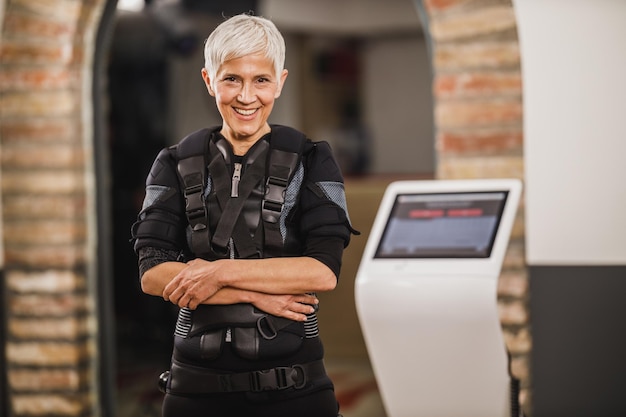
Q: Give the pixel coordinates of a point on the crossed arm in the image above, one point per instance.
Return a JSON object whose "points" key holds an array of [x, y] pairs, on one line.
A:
{"points": [[278, 286]]}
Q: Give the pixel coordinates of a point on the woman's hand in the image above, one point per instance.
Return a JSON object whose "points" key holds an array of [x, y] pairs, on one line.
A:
{"points": [[194, 284], [293, 307]]}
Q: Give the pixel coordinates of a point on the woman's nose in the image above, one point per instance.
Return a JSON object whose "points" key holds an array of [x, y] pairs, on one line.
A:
{"points": [[246, 95]]}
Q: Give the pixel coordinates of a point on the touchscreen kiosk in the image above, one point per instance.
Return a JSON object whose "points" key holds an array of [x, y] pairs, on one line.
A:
{"points": [[426, 297]]}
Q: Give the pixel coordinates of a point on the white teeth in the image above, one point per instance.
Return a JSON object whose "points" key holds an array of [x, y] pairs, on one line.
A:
{"points": [[245, 112]]}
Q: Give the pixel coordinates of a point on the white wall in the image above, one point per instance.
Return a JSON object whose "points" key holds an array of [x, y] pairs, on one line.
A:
{"points": [[574, 69]]}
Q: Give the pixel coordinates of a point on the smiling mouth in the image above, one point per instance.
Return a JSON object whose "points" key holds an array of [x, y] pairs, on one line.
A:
{"points": [[245, 112]]}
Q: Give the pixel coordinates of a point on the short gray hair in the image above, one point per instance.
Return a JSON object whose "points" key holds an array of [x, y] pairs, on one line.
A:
{"points": [[243, 35]]}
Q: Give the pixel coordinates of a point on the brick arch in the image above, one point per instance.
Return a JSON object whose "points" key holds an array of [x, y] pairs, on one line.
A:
{"points": [[47, 171], [46, 130]]}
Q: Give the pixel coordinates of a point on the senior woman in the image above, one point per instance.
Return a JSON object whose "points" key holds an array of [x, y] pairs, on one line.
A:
{"points": [[241, 226]]}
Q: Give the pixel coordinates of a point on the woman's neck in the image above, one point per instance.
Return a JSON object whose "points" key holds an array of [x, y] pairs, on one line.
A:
{"points": [[242, 144]]}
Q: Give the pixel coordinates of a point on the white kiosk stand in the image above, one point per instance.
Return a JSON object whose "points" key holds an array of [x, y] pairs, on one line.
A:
{"points": [[426, 297]]}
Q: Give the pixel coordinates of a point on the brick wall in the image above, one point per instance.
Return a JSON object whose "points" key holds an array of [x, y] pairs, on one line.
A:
{"points": [[45, 148], [477, 91]]}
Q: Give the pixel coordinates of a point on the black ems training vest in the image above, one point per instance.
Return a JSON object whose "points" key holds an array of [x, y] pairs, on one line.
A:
{"points": [[226, 221], [205, 162]]}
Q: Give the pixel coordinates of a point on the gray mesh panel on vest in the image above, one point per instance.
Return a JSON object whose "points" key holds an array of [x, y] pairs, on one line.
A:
{"points": [[153, 193], [291, 195], [335, 192], [207, 190]]}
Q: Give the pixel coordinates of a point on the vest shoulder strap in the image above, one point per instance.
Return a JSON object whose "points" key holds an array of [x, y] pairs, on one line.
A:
{"points": [[191, 153], [285, 152]]}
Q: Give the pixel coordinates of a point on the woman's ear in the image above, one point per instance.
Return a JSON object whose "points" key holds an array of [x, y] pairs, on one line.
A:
{"points": [[283, 77], [207, 81]]}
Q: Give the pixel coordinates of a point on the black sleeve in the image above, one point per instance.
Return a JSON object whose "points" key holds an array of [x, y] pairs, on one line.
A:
{"points": [[162, 221], [324, 220], [323, 198], [328, 251]]}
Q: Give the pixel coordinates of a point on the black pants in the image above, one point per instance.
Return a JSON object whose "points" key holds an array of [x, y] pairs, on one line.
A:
{"points": [[315, 404]]}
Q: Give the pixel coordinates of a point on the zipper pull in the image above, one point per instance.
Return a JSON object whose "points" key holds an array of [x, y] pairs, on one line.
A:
{"points": [[234, 188]]}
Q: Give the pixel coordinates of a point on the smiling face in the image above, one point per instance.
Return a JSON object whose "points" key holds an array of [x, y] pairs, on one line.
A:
{"points": [[245, 90]]}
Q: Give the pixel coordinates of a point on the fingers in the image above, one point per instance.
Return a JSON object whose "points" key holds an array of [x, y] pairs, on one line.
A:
{"points": [[179, 283], [178, 297], [172, 291], [177, 291], [185, 294], [301, 307], [297, 315], [307, 299], [184, 299], [190, 287], [170, 288]]}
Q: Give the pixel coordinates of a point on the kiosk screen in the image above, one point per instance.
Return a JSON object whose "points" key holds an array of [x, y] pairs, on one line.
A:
{"points": [[442, 225]]}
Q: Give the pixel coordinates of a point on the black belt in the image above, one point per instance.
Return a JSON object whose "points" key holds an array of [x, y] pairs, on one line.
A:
{"points": [[192, 380]]}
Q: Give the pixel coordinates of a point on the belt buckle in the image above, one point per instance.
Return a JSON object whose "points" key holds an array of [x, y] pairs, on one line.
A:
{"points": [[278, 378], [263, 380], [299, 385]]}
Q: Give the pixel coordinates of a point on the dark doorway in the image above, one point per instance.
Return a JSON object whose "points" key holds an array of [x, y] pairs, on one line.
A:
{"points": [[137, 131]]}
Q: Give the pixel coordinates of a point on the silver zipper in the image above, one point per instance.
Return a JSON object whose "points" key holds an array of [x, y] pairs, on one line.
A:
{"points": [[234, 188]]}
